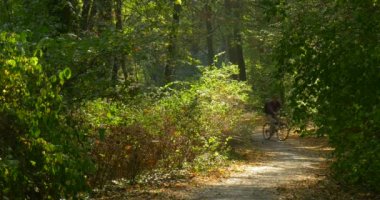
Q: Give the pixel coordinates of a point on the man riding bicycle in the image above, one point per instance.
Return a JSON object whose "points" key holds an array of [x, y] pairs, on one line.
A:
{"points": [[271, 109]]}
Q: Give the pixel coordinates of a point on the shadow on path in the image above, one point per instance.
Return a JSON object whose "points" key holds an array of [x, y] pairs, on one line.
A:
{"points": [[285, 162]]}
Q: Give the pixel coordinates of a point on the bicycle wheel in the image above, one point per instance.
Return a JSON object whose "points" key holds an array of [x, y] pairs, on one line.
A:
{"points": [[283, 132], [266, 131]]}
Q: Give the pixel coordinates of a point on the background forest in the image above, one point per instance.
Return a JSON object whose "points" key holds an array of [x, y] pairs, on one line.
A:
{"points": [[95, 90]]}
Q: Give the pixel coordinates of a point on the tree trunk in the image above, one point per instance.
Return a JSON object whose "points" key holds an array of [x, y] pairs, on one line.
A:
{"points": [[64, 13], [239, 54], [119, 17], [85, 14], [119, 58], [210, 45], [172, 49], [92, 14], [234, 40], [8, 11], [119, 26]]}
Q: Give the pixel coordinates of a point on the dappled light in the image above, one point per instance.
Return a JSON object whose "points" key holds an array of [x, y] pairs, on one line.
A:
{"points": [[285, 165], [189, 99]]}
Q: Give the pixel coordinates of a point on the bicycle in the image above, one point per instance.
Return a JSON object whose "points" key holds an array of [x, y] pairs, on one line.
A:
{"points": [[281, 129]]}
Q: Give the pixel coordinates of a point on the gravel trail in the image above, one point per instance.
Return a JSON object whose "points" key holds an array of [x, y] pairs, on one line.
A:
{"points": [[287, 162]]}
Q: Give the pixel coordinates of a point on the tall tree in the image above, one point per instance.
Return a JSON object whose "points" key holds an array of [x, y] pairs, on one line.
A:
{"points": [[330, 52], [233, 10], [210, 43], [6, 12], [66, 14], [119, 61], [172, 47], [86, 7]]}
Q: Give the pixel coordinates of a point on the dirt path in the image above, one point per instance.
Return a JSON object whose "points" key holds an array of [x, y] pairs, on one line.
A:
{"points": [[267, 170], [285, 163]]}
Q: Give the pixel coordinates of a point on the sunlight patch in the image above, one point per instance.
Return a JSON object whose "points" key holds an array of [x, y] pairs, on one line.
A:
{"points": [[262, 169]]}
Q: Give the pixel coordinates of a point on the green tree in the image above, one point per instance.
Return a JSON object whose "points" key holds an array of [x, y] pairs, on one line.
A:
{"points": [[41, 154], [329, 51], [234, 37]]}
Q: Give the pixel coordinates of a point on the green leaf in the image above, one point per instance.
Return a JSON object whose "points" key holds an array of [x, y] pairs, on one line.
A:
{"points": [[178, 2], [109, 115], [38, 52], [67, 73], [53, 78], [61, 76], [34, 60], [36, 133], [11, 63]]}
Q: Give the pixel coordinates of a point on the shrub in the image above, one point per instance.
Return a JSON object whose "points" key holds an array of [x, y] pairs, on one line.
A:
{"points": [[335, 81], [168, 128], [40, 155]]}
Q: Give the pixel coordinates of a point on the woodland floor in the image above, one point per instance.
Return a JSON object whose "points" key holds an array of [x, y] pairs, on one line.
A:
{"points": [[293, 169]]}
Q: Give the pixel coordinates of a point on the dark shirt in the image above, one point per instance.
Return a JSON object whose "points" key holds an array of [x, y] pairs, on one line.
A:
{"points": [[272, 107]]}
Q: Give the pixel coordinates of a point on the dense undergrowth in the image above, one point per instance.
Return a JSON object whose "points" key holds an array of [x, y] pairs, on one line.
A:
{"points": [[50, 149], [181, 125], [41, 155], [329, 60]]}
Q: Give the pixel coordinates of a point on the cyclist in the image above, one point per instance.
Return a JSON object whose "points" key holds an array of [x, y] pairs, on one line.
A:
{"points": [[271, 109]]}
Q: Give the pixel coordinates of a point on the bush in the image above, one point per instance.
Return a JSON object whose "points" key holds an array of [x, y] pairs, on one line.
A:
{"points": [[335, 80], [168, 128], [40, 155]]}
